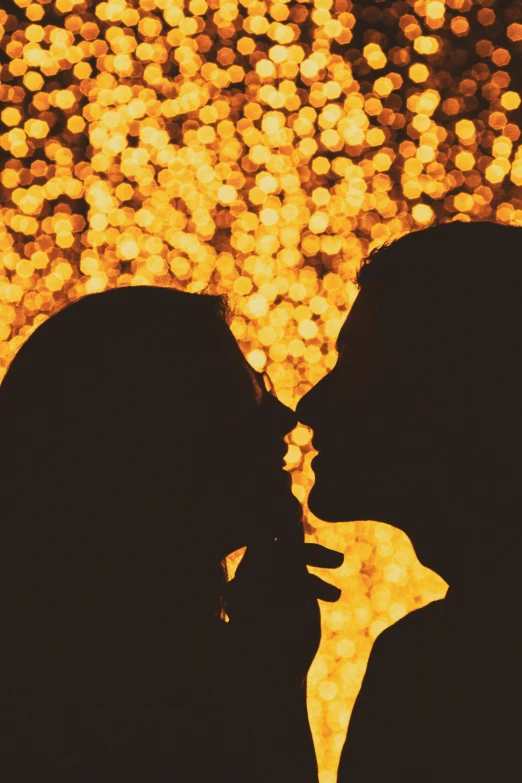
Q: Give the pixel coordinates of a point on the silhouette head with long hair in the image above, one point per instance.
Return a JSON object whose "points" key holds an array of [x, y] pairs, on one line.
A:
{"points": [[139, 448]]}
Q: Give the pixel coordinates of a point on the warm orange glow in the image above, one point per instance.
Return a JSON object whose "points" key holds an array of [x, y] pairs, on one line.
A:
{"points": [[253, 146]]}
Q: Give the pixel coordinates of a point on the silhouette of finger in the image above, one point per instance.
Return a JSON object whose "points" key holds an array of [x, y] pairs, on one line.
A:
{"points": [[322, 557], [323, 590]]}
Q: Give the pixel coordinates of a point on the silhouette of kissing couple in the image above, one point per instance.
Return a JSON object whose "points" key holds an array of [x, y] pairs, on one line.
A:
{"points": [[139, 449]]}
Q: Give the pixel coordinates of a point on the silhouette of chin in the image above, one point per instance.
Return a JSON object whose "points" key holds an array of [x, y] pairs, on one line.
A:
{"points": [[322, 507], [328, 502], [336, 498]]}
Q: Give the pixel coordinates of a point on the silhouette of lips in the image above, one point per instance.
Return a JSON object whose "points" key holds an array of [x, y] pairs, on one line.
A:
{"points": [[281, 453], [278, 456]]}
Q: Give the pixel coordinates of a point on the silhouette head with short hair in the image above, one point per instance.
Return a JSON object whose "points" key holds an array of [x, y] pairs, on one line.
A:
{"points": [[419, 425], [420, 420]]}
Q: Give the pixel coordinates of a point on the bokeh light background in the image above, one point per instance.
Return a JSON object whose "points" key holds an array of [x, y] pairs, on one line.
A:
{"points": [[263, 148]]}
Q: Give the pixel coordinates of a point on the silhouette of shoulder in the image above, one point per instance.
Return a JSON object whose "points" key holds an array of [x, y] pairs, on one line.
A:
{"points": [[390, 730], [439, 702]]}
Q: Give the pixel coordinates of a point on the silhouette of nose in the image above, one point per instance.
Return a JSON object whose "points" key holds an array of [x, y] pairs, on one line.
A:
{"points": [[284, 418], [306, 406]]}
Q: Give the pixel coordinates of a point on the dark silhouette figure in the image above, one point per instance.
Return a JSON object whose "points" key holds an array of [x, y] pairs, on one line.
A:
{"points": [[138, 449], [419, 425]]}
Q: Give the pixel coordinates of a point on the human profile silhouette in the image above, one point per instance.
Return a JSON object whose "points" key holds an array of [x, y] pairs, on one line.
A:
{"points": [[139, 449], [419, 425]]}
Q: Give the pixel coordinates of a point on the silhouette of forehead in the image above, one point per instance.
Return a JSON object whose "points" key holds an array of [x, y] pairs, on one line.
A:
{"points": [[362, 319], [146, 336], [223, 358]]}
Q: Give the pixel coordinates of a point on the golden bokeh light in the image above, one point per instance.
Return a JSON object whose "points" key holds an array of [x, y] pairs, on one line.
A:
{"points": [[263, 148]]}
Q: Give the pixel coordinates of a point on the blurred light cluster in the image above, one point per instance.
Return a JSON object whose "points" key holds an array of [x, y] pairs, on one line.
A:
{"points": [[263, 148]]}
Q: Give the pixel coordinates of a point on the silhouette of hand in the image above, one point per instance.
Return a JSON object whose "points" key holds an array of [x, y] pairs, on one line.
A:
{"points": [[272, 601]]}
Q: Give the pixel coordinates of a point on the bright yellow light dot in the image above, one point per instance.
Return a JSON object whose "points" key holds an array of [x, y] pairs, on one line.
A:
{"points": [[257, 306], [422, 213], [268, 217], [375, 137], [11, 116], [9, 178], [418, 72], [427, 102], [128, 247], [24, 268], [318, 222], [144, 51], [373, 106], [40, 259], [421, 122], [307, 147], [122, 63], [425, 153], [393, 572], [383, 86], [64, 99], [153, 74], [496, 172], [374, 56], [257, 358], [510, 100], [227, 194], [259, 25], [245, 45], [465, 129], [330, 138], [426, 44], [265, 68], [99, 222], [76, 124], [34, 55], [309, 69], [278, 54], [267, 335], [435, 9], [502, 147], [37, 129], [301, 435], [34, 33], [382, 161], [463, 202], [328, 690], [307, 329], [267, 183], [33, 81], [331, 245], [321, 196], [333, 28], [150, 27], [516, 172], [273, 121], [465, 161], [124, 191], [206, 134]]}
